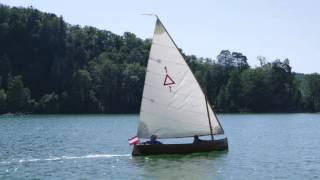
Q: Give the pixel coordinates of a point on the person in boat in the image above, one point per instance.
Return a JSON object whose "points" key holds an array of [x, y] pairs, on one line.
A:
{"points": [[196, 139], [153, 140]]}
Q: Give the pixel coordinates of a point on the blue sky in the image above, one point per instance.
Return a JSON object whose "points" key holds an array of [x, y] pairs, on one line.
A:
{"points": [[270, 28]]}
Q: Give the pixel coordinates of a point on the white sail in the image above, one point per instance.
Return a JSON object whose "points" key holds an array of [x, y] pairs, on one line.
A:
{"points": [[173, 104]]}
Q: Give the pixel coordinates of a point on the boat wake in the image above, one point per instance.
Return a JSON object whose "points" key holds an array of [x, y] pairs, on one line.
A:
{"points": [[91, 156]]}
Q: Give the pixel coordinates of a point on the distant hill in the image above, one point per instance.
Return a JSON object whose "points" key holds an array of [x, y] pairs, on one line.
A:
{"points": [[50, 66]]}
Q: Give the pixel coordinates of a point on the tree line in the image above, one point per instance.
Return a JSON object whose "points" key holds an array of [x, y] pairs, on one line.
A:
{"points": [[50, 66]]}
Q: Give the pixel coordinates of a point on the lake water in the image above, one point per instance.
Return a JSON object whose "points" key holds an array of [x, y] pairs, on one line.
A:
{"points": [[261, 146]]}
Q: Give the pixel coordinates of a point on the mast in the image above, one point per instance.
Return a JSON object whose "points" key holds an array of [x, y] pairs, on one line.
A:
{"points": [[211, 133]]}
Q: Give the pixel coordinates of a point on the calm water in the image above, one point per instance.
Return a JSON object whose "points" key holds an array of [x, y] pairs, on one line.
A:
{"points": [[264, 146]]}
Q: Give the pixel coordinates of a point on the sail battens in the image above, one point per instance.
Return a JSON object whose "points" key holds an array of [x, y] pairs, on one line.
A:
{"points": [[160, 61], [180, 109], [162, 78], [173, 104], [177, 95], [180, 94]]}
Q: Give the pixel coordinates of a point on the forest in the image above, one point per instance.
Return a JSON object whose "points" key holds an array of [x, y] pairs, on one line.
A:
{"points": [[50, 66]]}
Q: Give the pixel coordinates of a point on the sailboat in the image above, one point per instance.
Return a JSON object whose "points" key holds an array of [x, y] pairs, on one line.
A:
{"points": [[173, 103]]}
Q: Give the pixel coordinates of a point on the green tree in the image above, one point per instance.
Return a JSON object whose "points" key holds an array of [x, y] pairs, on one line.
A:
{"points": [[49, 103], [5, 69], [254, 90], [225, 58], [240, 61], [18, 96], [133, 79], [232, 90], [216, 80], [312, 92], [110, 90], [3, 101], [83, 96]]}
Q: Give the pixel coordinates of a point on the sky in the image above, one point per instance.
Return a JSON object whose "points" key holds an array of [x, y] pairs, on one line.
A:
{"points": [[275, 29]]}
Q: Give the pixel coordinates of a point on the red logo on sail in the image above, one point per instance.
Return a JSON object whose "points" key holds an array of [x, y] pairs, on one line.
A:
{"points": [[168, 81]]}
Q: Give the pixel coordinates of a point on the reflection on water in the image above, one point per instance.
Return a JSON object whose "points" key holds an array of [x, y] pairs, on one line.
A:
{"points": [[190, 166]]}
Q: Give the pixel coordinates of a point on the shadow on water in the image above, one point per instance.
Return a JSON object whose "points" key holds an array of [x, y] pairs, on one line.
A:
{"points": [[190, 166]]}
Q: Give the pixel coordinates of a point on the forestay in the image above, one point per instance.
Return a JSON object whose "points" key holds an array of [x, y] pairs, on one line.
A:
{"points": [[173, 104]]}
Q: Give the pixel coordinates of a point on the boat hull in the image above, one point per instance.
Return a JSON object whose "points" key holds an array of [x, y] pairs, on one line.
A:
{"points": [[157, 149]]}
